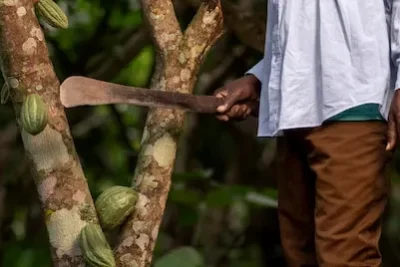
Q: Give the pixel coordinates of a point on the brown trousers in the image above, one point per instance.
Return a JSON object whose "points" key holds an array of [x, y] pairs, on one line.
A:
{"points": [[333, 190]]}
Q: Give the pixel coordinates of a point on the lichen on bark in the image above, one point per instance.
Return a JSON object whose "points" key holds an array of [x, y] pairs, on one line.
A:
{"points": [[179, 56], [61, 184]]}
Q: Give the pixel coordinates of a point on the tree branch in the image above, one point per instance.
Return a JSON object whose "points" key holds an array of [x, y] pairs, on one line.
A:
{"points": [[163, 25], [206, 23], [61, 184]]}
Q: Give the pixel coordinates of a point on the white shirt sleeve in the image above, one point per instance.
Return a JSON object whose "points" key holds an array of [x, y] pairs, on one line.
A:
{"points": [[258, 70]]}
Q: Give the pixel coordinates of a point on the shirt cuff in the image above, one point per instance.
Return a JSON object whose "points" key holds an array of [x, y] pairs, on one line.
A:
{"points": [[258, 70]]}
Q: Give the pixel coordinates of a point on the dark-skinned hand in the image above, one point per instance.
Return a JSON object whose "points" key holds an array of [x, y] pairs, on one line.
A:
{"points": [[394, 122], [241, 99]]}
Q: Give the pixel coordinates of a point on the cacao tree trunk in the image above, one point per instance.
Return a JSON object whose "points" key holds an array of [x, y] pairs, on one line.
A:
{"points": [[178, 59], [60, 181]]}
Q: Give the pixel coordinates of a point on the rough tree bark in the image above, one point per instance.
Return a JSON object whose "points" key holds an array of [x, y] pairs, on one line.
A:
{"points": [[60, 181], [179, 56]]}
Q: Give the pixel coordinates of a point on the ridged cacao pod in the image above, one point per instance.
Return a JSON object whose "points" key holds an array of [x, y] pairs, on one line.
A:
{"points": [[52, 14], [114, 205], [34, 114], [95, 248]]}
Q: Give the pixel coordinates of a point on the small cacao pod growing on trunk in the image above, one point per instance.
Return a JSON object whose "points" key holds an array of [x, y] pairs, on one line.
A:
{"points": [[114, 205], [95, 248], [34, 114], [52, 13]]}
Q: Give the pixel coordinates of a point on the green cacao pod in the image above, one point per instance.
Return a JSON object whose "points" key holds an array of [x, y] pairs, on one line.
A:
{"points": [[95, 248], [114, 205], [34, 114], [52, 13]]}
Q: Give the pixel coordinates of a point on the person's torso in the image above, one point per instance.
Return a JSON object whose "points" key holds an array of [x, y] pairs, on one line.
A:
{"points": [[323, 57]]}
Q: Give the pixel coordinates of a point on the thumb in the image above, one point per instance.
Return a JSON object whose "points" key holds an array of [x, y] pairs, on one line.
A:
{"points": [[391, 134], [221, 93], [230, 98]]}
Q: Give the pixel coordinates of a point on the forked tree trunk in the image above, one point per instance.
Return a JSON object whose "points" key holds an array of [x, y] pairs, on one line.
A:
{"points": [[60, 181], [179, 56]]}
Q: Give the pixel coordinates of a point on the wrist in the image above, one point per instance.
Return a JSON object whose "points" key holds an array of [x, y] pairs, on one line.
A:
{"points": [[255, 84]]}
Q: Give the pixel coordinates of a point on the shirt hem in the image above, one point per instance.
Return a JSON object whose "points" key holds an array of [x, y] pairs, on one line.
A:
{"points": [[284, 127]]}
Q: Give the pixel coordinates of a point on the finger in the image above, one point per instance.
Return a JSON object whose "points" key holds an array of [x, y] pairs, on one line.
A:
{"points": [[238, 112], [247, 112], [391, 134], [234, 111], [230, 99], [223, 117], [221, 93], [223, 108]]}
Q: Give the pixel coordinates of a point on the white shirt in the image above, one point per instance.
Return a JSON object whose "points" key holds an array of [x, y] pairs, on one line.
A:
{"points": [[324, 57]]}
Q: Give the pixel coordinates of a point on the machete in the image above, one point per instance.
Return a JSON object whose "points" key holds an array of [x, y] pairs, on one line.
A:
{"points": [[81, 91]]}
